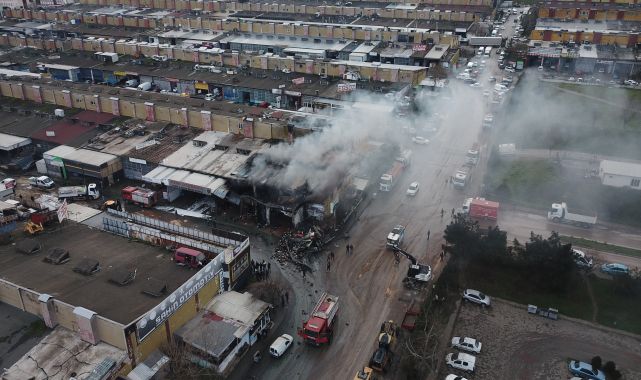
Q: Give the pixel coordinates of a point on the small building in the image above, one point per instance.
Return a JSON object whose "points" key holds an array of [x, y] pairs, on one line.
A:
{"points": [[620, 174], [219, 335], [12, 146], [67, 162]]}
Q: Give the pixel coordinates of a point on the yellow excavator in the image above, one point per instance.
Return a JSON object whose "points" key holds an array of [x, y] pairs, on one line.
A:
{"points": [[364, 374]]}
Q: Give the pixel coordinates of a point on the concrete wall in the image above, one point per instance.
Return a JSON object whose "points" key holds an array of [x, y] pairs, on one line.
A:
{"points": [[27, 300]]}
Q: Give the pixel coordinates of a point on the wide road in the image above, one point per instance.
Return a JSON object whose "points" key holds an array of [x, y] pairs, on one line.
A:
{"points": [[520, 223], [368, 283]]}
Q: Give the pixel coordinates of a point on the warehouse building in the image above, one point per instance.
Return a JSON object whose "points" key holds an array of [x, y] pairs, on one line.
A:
{"points": [[144, 297], [620, 174]]}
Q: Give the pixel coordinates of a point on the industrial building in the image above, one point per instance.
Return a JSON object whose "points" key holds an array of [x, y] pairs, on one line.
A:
{"points": [[144, 297], [620, 174]]}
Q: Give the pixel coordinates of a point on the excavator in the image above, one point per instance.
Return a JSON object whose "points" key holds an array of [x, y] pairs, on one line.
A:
{"points": [[382, 357], [417, 274]]}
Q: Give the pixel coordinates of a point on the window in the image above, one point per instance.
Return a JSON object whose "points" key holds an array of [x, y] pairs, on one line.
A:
{"points": [[635, 182]]}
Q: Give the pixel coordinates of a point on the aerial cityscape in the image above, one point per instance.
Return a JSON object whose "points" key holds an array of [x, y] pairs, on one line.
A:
{"points": [[308, 189]]}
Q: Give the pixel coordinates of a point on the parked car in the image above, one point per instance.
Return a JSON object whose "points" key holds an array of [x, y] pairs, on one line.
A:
{"points": [[413, 189], [280, 345], [454, 377], [581, 259], [461, 361], [467, 344], [476, 297], [615, 269], [420, 140], [585, 370]]}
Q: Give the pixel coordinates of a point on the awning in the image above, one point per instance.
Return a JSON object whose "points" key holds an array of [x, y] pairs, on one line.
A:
{"points": [[10, 142], [187, 180], [360, 184]]}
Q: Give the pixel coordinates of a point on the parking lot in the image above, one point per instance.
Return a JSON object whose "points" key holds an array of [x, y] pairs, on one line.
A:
{"points": [[518, 345]]}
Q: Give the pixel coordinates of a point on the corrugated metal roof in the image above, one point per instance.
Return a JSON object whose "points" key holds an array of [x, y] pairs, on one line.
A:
{"points": [[10, 142]]}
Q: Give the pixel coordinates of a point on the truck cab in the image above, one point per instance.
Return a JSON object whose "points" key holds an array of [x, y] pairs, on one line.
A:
{"points": [[43, 182], [472, 156], [460, 178], [395, 238]]}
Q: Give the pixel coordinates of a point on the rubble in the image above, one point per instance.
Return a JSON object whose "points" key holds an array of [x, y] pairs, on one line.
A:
{"points": [[295, 247]]}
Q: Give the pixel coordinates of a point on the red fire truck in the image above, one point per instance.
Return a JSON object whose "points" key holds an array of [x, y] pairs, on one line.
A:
{"points": [[319, 328], [140, 196]]}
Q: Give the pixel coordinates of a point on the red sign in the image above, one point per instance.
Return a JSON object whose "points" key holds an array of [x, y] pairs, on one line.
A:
{"points": [[419, 47], [300, 80]]}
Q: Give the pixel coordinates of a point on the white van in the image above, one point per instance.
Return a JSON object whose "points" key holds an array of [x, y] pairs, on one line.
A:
{"points": [[145, 86]]}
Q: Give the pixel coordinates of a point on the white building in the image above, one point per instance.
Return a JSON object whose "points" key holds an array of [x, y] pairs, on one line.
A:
{"points": [[620, 174]]}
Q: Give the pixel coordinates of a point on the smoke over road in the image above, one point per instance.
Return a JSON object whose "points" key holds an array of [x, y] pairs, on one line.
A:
{"points": [[321, 158]]}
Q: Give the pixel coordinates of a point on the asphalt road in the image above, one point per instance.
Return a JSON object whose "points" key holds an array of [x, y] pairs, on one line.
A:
{"points": [[519, 224], [368, 283]]}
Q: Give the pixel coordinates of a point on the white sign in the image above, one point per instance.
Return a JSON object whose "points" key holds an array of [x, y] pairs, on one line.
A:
{"points": [[137, 161], [293, 93], [346, 87], [158, 315], [63, 212], [146, 144]]}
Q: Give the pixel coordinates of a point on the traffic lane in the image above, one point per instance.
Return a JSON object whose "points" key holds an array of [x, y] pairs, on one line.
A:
{"points": [[519, 225], [374, 282], [368, 283]]}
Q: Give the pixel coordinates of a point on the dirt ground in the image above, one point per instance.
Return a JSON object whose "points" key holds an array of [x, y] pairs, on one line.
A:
{"points": [[518, 345]]}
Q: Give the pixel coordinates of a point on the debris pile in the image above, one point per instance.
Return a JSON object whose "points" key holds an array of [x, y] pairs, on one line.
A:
{"points": [[295, 246]]}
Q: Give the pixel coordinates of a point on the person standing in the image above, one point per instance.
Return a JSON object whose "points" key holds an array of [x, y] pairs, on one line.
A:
{"points": [[428, 234], [286, 297], [351, 249]]}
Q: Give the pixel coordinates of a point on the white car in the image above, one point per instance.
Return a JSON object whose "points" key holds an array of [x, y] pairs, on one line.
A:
{"points": [[476, 297], [420, 140], [461, 361], [467, 344], [413, 189], [280, 345], [454, 377]]}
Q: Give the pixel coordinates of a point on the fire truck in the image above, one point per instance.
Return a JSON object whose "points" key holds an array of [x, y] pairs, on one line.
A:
{"points": [[319, 328]]}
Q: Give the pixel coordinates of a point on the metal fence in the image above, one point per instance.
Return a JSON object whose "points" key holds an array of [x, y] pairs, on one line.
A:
{"points": [[115, 226], [229, 238]]}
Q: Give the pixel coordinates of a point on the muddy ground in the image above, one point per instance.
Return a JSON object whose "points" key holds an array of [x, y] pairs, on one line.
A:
{"points": [[518, 345]]}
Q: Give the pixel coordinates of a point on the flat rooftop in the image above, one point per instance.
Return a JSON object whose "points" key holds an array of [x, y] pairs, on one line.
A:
{"points": [[75, 130], [591, 26], [287, 41], [14, 123], [122, 304]]}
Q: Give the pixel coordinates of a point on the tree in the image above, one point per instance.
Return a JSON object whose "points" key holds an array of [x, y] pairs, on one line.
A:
{"points": [[596, 362]]}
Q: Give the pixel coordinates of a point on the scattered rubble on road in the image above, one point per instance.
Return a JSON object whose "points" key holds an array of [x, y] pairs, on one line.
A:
{"points": [[295, 247]]}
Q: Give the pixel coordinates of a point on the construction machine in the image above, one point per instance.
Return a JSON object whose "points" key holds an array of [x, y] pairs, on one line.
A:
{"points": [[417, 274], [382, 357]]}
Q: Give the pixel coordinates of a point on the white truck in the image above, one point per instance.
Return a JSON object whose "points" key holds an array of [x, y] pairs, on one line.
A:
{"points": [[473, 155], [89, 191], [145, 86], [559, 214], [42, 182], [461, 178]]}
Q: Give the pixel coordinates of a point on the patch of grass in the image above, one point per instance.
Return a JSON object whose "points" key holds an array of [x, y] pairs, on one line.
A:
{"points": [[36, 328], [601, 246], [522, 181], [512, 286], [615, 309]]}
